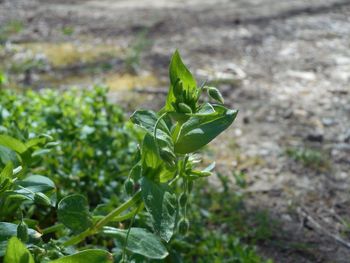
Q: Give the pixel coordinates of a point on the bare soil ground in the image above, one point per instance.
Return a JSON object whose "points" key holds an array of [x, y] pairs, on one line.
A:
{"points": [[284, 64]]}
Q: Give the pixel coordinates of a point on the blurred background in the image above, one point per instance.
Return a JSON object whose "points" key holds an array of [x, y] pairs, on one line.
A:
{"points": [[284, 64]]}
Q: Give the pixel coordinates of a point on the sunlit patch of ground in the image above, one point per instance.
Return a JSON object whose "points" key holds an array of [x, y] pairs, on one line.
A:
{"points": [[129, 81], [72, 53], [114, 81]]}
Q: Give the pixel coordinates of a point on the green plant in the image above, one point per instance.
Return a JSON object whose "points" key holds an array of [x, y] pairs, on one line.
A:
{"points": [[162, 179], [3, 79], [10, 28], [308, 157], [95, 148], [68, 30], [19, 190]]}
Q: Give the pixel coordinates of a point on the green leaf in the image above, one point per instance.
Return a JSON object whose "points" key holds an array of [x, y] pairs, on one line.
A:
{"points": [[179, 72], [161, 203], [149, 157], [147, 119], [90, 255], [35, 188], [199, 130], [12, 143], [42, 199], [19, 196], [86, 130], [3, 246], [195, 174], [206, 109], [152, 164], [8, 230], [6, 173], [136, 172], [41, 152], [73, 212], [37, 183], [210, 167], [7, 155], [199, 174], [34, 142], [17, 252], [140, 241]]}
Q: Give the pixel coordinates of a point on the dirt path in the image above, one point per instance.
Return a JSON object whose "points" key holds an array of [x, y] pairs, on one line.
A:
{"points": [[293, 58]]}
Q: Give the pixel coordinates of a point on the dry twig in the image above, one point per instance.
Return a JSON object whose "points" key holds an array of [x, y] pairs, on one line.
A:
{"points": [[317, 227]]}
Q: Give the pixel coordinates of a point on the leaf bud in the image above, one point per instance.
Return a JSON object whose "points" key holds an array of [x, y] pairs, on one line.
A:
{"points": [[129, 186], [183, 226], [215, 94], [22, 231], [184, 108]]}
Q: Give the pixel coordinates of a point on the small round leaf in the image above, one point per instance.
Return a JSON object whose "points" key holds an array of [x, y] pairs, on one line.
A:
{"points": [[73, 212]]}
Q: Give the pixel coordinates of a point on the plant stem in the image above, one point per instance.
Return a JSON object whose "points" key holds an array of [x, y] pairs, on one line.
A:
{"points": [[126, 216], [51, 229], [104, 221], [122, 217], [118, 211], [78, 238], [127, 235]]}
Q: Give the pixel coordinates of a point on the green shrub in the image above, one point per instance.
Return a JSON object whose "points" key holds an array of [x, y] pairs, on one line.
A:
{"points": [[95, 147]]}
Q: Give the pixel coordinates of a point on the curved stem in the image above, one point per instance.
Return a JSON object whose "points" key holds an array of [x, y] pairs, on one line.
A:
{"points": [[122, 217], [78, 238], [118, 211], [127, 235], [60, 226], [104, 221], [52, 229]]}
